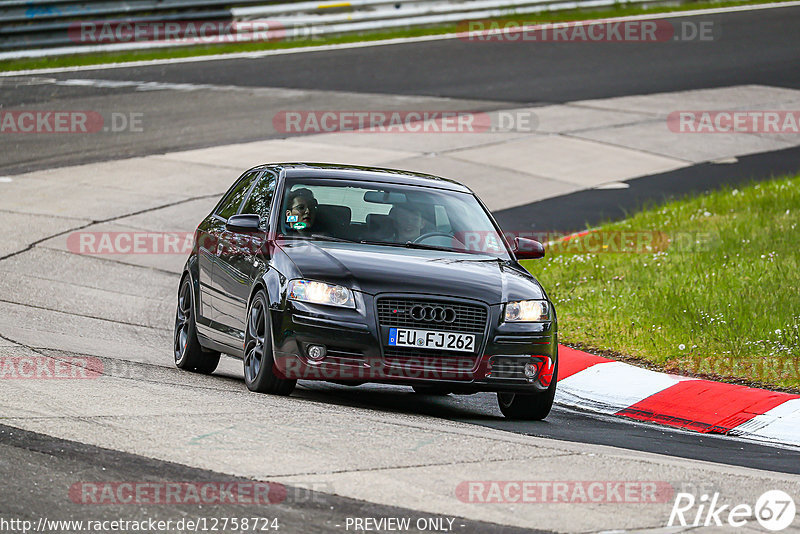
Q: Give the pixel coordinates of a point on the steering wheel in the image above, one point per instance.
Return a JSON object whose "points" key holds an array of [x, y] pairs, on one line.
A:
{"points": [[423, 237]]}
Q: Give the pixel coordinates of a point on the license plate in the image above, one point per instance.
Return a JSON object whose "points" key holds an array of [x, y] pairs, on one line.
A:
{"points": [[431, 339]]}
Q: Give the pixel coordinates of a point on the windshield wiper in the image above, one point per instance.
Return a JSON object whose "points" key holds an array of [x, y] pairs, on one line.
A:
{"points": [[323, 237], [332, 238], [411, 244], [359, 241], [407, 244], [383, 243]]}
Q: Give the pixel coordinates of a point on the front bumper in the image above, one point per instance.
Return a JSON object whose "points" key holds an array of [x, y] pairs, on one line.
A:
{"points": [[356, 350]]}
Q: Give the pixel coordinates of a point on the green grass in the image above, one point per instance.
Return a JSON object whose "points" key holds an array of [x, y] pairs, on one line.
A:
{"points": [[201, 50], [720, 299]]}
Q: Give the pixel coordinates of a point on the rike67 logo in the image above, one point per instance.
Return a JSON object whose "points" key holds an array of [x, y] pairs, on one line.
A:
{"points": [[774, 510]]}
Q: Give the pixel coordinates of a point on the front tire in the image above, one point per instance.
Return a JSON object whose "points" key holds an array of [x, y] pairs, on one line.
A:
{"points": [[259, 363], [529, 407], [188, 352]]}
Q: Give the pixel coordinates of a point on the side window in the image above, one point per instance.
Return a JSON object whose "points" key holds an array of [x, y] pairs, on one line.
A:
{"points": [[230, 204], [261, 197]]}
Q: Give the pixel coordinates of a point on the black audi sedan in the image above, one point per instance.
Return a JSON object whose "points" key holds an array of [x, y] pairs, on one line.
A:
{"points": [[352, 274]]}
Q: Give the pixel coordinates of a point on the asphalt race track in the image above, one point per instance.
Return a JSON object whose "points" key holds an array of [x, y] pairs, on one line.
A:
{"points": [[370, 451], [52, 463], [754, 47], [748, 47]]}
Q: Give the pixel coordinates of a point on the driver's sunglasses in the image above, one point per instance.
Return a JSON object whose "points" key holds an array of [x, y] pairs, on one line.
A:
{"points": [[304, 207]]}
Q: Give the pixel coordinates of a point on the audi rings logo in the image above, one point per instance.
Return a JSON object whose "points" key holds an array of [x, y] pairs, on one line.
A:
{"points": [[436, 314]]}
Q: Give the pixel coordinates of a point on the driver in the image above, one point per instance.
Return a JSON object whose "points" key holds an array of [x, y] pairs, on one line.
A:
{"points": [[408, 222], [301, 211]]}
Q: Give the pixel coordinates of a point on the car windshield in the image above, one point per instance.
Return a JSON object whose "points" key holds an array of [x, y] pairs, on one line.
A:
{"points": [[388, 214]]}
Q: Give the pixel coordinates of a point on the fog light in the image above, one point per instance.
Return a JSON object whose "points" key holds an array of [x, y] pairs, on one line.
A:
{"points": [[316, 352], [531, 370]]}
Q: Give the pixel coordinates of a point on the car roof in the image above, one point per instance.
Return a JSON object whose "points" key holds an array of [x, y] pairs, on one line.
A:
{"points": [[332, 171]]}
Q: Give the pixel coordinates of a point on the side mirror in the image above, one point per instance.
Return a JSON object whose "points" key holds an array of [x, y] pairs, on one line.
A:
{"points": [[243, 223], [528, 249]]}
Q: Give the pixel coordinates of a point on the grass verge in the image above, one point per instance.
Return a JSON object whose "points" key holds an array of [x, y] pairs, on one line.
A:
{"points": [[202, 50], [708, 286]]}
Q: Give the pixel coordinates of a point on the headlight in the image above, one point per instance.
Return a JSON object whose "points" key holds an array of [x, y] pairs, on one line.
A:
{"points": [[527, 311], [321, 293]]}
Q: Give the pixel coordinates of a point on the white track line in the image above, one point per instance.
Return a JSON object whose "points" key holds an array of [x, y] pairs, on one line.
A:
{"points": [[366, 44]]}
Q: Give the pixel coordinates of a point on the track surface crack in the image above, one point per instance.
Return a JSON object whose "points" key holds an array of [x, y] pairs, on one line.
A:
{"points": [[107, 220]]}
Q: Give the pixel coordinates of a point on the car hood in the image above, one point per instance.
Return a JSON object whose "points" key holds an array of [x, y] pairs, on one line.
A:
{"points": [[377, 269]]}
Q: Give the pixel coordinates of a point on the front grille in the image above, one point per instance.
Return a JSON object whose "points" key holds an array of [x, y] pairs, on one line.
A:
{"points": [[344, 356], [470, 318], [430, 360], [509, 367]]}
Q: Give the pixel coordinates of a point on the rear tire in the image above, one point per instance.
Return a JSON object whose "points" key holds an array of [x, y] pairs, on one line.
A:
{"points": [[259, 363], [529, 407], [188, 352]]}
